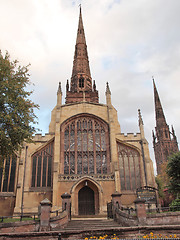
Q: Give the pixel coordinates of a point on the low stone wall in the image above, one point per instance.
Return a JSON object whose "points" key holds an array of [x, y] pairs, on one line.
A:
{"points": [[142, 217], [123, 232], [33, 226], [17, 227], [125, 219], [59, 222], [168, 218]]}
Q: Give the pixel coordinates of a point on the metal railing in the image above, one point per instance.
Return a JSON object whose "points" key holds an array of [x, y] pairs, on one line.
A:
{"points": [[128, 210], [56, 213], [163, 209]]}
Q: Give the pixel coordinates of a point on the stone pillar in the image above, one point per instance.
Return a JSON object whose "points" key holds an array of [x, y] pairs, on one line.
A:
{"points": [[140, 211], [116, 202], [45, 209], [116, 199], [66, 203]]}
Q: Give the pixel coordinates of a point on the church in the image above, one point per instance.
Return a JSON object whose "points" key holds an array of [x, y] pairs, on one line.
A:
{"points": [[84, 154]]}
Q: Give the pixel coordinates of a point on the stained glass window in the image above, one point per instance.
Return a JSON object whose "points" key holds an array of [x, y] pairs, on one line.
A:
{"points": [[41, 166], [129, 167], [88, 148], [7, 174]]}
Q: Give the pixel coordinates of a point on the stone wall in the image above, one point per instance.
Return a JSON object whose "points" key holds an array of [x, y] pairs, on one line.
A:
{"points": [[169, 218], [32, 226], [123, 232], [7, 202]]}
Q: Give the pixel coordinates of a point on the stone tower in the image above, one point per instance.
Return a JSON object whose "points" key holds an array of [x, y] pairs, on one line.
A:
{"points": [[164, 141], [81, 88]]}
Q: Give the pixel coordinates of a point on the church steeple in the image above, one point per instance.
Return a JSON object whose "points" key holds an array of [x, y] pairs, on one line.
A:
{"points": [[81, 80], [160, 118], [164, 142]]}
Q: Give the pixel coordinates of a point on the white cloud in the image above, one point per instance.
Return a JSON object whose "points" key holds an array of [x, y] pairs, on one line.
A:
{"points": [[129, 41]]}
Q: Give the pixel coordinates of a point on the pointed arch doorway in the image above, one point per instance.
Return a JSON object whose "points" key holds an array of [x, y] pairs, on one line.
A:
{"points": [[86, 201]]}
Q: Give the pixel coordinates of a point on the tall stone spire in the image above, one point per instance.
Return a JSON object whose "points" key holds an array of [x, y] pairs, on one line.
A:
{"points": [[160, 118], [164, 142], [81, 80]]}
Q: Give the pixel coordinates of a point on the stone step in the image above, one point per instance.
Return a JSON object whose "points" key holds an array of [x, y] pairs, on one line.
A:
{"points": [[91, 224]]}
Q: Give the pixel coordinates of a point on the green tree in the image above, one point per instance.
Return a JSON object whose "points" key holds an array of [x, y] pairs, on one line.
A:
{"points": [[160, 187], [173, 171], [16, 109]]}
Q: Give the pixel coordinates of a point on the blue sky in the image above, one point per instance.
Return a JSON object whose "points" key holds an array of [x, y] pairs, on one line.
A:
{"points": [[129, 41]]}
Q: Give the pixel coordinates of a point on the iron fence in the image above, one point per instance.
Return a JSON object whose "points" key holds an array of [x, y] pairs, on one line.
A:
{"points": [[163, 209]]}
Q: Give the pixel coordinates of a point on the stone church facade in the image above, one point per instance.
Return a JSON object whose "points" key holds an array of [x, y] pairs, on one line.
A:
{"points": [[84, 154]]}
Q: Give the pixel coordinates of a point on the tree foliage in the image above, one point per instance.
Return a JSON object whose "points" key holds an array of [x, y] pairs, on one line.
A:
{"points": [[173, 171], [16, 109], [160, 187]]}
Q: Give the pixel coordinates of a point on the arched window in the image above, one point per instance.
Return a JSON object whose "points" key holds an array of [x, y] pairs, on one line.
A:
{"points": [[7, 174], [81, 82], [129, 167], [85, 146], [42, 167]]}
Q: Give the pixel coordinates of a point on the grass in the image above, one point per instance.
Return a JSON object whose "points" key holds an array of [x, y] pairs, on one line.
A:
{"points": [[16, 219]]}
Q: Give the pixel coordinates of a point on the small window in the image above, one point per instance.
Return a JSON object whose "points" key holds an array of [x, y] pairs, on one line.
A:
{"points": [[81, 82]]}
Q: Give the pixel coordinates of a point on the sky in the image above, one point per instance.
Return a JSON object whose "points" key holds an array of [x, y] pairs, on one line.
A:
{"points": [[128, 42]]}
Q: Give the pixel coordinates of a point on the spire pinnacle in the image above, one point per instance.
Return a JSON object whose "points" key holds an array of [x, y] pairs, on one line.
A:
{"points": [[59, 88], [108, 89], [81, 80], [160, 118], [141, 124], [140, 117], [59, 95], [81, 69]]}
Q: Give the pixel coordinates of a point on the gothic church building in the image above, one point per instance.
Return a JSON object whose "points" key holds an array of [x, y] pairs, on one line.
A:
{"points": [[84, 154]]}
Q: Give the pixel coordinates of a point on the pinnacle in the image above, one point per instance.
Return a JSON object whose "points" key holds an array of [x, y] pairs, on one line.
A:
{"points": [[160, 118], [140, 118], [107, 88], [59, 88]]}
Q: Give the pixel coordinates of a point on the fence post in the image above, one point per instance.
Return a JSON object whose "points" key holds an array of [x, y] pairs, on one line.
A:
{"points": [[141, 211], [45, 208], [66, 203]]}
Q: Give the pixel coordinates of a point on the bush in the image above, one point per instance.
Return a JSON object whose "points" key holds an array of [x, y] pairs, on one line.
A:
{"points": [[175, 205]]}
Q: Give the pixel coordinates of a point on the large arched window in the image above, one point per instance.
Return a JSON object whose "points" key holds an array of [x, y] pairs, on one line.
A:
{"points": [[129, 167], [85, 145], [42, 166], [7, 174]]}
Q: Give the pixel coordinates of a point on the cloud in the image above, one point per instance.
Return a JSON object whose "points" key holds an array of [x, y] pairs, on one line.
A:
{"points": [[129, 41]]}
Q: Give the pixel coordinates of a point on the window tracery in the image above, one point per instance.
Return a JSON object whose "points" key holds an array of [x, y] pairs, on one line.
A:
{"points": [[88, 147], [7, 174], [42, 167], [129, 167]]}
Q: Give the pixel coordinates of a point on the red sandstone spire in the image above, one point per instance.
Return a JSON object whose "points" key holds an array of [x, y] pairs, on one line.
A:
{"points": [[164, 145], [81, 76], [160, 118], [81, 82]]}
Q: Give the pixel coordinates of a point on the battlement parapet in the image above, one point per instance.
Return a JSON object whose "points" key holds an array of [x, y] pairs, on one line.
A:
{"points": [[41, 137], [129, 136]]}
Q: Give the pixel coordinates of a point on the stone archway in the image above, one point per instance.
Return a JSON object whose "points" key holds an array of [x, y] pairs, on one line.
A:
{"points": [[84, 193]]}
